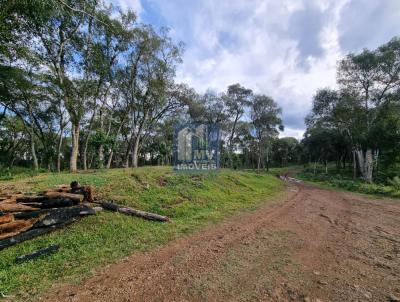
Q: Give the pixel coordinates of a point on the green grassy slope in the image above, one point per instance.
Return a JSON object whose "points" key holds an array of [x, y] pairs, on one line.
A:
{"points": [[191, 201]]}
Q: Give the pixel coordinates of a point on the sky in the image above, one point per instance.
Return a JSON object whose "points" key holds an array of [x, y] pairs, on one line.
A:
{"points": [[286, 49]]}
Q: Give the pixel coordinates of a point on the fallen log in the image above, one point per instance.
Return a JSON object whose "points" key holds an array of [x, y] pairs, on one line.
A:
{"points": [[57, 190], [8, 200], [131, 211], [52, 203], [32, 233], [28, 215], [13, 225], [6, 218], [16, 227], [31, 204], [57, 195], [63, 188], [35, 254], [31, 198], [57, 203], [13, 207], [59, 216]]}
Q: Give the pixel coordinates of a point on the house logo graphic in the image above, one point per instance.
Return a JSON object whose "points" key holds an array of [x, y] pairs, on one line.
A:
{"points": [[196, 147]]}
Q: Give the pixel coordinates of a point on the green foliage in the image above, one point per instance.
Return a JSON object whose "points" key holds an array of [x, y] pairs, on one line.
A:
{"points": [[395, 183], [191, 200], [7, 173], [345, 181], [101, 138], [362, 116]]}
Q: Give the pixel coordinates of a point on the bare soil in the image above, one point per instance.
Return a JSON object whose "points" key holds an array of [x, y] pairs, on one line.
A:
{"points": [[313, 245]]}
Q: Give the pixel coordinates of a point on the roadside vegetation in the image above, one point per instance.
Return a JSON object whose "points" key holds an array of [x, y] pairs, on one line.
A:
{"points": [[388, 187], [358, 125], [192, 201]]}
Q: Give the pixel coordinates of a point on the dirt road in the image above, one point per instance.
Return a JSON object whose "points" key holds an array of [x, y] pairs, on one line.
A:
{"points": [[314, 245]]}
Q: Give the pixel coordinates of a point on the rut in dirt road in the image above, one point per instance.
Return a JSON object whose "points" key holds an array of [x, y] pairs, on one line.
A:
{"points": [[314, 244]]}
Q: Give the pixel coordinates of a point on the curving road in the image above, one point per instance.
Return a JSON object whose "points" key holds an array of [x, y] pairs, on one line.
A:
{"points": [[313, 245]]}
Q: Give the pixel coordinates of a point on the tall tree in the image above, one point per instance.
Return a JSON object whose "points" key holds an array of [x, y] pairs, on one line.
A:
{"points": [[266, 121], [148, 89], [237, 99], [369, 78]]}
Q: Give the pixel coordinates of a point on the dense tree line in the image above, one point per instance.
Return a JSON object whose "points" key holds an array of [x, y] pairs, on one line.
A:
{"points": [[360, 121], [84, 85]]}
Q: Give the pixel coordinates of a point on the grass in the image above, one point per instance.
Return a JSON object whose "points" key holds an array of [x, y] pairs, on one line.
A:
{"points": [[345, 181], [13, 173], [192, 201]]}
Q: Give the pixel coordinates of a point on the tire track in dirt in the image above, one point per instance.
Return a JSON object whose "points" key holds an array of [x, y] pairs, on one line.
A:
{"points": [[313, 244]]}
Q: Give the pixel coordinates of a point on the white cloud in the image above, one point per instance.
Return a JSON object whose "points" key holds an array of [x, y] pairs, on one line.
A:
{"points": [[286, 49], [135, 5], [263, 56], [289, 132]]}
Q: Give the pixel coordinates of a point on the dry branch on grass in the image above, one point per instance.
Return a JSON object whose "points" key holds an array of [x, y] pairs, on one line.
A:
{"points": [[131, 211], [35, 254]]}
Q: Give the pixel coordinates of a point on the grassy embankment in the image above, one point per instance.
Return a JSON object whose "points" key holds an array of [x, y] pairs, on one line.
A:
{"points": [[192, 202]]}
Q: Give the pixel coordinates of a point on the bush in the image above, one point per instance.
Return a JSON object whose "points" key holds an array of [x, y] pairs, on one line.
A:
{"points": [[395, 183], [17, 172], [340, 181]]}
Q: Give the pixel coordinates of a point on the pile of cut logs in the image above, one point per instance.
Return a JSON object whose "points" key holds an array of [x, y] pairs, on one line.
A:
{"points": [[25, 216]]}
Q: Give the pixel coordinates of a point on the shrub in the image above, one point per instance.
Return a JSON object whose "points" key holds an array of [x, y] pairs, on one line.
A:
{"points": [[395, 183]]}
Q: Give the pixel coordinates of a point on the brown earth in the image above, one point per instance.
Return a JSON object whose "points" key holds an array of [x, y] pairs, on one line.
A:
{"points": [[314, 245]]}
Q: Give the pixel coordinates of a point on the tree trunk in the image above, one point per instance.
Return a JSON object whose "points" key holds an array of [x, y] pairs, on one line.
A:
{"points": [[101, 157], [75, 147], [84, 155], [33, 150], [109, 161], [59, 152], [128, 149], [366, 163], [101, 147], [369, 165], [126, 164], [376, 161], [233, 133], [135, 151], [360, 157], [110, 157], [354, 165], [91, 161]]}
